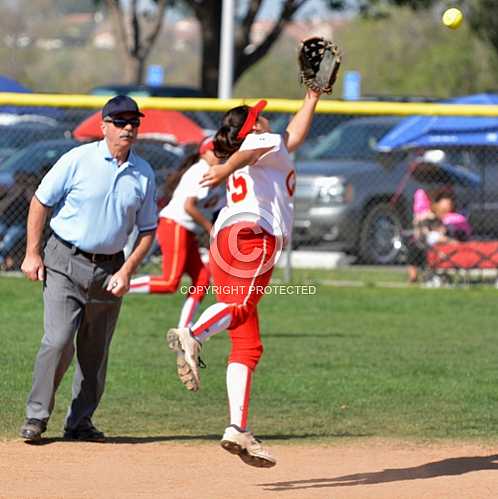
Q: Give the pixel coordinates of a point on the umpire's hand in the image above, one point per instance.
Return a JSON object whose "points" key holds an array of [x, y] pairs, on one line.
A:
{"points": [[33, 267], [119, 284]]}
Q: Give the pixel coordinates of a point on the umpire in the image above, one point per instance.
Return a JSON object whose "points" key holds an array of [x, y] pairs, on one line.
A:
{"points": [[95, 193]]}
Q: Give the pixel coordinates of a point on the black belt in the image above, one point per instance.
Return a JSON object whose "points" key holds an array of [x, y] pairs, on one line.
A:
{"points": [[93, 257]]}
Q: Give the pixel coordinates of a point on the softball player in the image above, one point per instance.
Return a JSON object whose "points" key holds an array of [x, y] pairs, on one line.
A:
{"points": [[248, 235], [189, 212]]}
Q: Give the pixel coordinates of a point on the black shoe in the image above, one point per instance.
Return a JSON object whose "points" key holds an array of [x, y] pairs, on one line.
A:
{"points": [[89, 434], [33, 428]]}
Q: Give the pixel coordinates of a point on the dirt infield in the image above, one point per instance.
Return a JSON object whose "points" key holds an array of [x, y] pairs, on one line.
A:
{"points": [[139, 468]]}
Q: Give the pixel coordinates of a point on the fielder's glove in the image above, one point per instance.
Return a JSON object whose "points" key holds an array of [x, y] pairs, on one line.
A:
{"points": [[319, 62]]}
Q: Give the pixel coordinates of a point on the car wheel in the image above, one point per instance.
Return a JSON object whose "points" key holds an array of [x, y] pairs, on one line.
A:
{"points": [[380, 238]]}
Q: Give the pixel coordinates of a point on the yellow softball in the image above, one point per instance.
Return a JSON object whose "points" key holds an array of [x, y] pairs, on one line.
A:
{"points": [[452, 18]]}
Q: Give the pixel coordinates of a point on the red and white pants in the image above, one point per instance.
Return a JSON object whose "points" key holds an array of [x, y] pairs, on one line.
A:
{"points": [[180, 251], [241, 258]]}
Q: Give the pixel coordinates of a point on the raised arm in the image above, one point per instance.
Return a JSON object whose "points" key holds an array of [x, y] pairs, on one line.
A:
{"points": [[300, 124]]}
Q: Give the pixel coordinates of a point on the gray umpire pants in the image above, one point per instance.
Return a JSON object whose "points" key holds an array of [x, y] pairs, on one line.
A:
{"points": [[76, 304]]}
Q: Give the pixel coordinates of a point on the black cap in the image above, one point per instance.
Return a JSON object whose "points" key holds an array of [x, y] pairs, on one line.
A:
{"points": [[120, 104]]}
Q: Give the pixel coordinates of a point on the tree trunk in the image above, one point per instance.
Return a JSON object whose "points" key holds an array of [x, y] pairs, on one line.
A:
{"points": [[134, 69], [119, 29], [208, 13], [134, 40], [209, 17], [245, 59]]}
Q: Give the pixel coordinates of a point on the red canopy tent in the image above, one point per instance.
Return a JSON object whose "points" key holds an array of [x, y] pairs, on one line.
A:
{"points": [[159, 124]]}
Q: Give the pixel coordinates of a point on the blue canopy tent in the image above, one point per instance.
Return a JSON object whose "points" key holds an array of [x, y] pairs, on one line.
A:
{"points": [[427, 132], [12, 86], [9, 85], [439, 131]]}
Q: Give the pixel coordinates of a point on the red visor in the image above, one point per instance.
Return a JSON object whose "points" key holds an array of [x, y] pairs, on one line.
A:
{"points": [[252, 116], [206, 145]]}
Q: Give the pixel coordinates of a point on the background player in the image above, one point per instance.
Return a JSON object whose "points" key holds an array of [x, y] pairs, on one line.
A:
{"points": [[188, 213]]}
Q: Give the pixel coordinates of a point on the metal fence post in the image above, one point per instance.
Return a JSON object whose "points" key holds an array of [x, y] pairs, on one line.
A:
{"points": [[288, 260], [288, 250]]}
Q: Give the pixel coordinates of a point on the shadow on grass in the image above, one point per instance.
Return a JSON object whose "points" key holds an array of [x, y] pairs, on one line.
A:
{"points": [[446, 467], [179, 438]]}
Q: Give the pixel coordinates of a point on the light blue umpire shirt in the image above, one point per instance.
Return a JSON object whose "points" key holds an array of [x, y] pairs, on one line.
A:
{"points": [[96, 203]]}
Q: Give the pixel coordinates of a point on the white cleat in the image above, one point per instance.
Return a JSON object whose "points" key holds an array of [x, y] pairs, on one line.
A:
{"points": [[187, 350], [244, 445]]}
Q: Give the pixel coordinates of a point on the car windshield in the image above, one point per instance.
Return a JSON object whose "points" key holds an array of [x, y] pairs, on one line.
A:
{"points": [[18, 136], [31, 158], [348, 141]]}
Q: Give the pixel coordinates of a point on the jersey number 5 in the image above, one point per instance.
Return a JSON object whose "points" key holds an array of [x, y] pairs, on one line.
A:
{"points": [[237, 189]]}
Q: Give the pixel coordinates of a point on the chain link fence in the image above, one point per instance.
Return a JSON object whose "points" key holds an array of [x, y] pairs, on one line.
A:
{"points": [[354, 191]]}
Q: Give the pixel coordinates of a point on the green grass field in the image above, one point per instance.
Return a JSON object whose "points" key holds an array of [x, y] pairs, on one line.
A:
{"points": [[346, 362]]}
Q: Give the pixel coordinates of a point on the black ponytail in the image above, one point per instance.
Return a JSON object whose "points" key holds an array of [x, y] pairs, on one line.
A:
{"points": [[226, 141]]}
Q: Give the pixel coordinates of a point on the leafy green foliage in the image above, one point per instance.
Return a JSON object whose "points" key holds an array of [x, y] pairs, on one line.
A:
{"points": [[414, 54], [479, 14], [406, 53]]}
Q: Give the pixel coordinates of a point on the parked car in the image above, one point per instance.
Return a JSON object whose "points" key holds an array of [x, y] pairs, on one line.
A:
{"points": [[14, 137], [482, 209], [41, 156], [359, 200]]}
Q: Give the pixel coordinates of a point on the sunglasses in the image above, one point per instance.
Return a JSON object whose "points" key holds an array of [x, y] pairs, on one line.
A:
{"points": [[122, 122]]}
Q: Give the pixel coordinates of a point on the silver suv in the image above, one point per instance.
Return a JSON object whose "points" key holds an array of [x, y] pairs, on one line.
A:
{"points": [[352, 197]]}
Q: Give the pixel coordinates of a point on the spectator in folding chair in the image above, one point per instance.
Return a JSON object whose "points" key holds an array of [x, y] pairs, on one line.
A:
{"points": [[434, 223], [457, 227]]}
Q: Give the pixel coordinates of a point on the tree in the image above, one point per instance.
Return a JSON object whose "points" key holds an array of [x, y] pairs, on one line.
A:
{"points": [[208, 14], [483, 20], [137, 29], [136, 41], [136, 44]]}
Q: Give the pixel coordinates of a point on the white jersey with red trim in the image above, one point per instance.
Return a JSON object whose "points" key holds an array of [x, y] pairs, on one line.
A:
{"points": [[262, 192], [210, 200]]}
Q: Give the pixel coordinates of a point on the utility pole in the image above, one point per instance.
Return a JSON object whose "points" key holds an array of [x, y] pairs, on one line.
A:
{"points": [[225, 79]]}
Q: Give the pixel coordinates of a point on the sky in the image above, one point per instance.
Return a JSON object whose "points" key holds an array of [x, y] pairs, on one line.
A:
{"points": [[271, 8]]}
